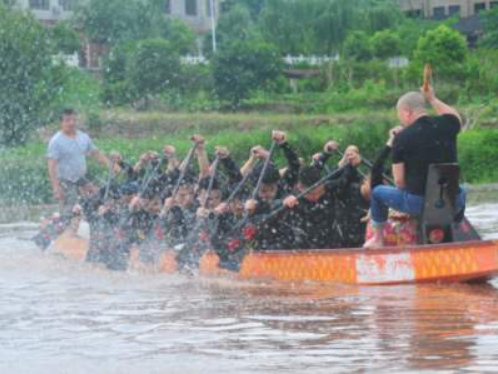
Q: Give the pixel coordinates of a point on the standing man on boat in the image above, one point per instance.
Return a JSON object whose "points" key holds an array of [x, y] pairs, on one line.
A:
{"points": [[425, 140], [67, 152]]}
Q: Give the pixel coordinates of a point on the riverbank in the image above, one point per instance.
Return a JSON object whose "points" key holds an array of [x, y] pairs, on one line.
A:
{"points": [[23, 176]]}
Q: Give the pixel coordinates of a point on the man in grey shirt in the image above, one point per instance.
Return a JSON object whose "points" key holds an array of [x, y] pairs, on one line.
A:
{"points": [[67, 152]]}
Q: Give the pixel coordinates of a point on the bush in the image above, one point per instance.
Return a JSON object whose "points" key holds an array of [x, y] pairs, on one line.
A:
{"points": [[357, 46], [29, 81], [153, 68], [66, 40], [244, 66], [446, 50], [386, 44]]}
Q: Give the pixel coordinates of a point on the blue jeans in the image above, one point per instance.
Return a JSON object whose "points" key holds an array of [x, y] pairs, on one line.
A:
{"points": [[385, 197]]}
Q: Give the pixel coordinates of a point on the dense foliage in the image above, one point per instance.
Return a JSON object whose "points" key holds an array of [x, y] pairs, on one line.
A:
{"points": [[30, 82], [244, 66]]}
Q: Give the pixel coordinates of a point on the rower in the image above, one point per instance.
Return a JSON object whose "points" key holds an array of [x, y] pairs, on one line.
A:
{"points": [[425, 140]]}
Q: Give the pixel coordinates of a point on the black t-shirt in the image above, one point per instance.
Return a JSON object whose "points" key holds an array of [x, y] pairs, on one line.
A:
{"points": [[429, 140]]}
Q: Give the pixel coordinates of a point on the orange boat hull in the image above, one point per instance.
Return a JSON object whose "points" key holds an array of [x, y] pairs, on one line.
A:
{"points": [[455, 262]]}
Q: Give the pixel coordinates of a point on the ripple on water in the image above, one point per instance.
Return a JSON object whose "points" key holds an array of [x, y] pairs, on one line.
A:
{"points": [[58, 317]]}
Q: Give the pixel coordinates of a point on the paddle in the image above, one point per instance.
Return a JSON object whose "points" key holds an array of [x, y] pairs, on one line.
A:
{"points": [[241, 184], [235, 191], [109, 180], [186, 164], [186, 254], [309, 189], [211, 180], [255, 192], [273, 147], [427, 77], [361, 160], [153, 174]]}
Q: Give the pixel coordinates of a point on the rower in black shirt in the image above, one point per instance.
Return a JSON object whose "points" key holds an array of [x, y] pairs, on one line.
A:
{"points": [[425, 140]]}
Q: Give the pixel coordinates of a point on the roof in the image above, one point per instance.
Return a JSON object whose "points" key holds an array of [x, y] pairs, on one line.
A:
{"points": [[470, 26]]}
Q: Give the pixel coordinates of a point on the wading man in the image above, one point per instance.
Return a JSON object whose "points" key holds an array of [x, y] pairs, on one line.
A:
{"points": [[425, 140], [67, 152]]}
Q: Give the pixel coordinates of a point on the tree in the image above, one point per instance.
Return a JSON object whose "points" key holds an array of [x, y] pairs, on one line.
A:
{"points": [[386, 44], [154, 67], [445, 49], [288, 24], [236, 24], [179, 35], [490, 23], [380, 15], [116, 85], [66, 40], [254, 6], [357, 46], [333, 21], [30, 82], [244, 66], [111, 21], [410, 31]]}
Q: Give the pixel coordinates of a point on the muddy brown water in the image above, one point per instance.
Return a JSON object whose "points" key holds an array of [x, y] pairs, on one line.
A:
{"points": [[58, 316]]}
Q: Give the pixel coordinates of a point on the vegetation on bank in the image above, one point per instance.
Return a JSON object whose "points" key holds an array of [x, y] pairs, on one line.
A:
{"points": [[23, 176], [144, 71], [146, 97]]}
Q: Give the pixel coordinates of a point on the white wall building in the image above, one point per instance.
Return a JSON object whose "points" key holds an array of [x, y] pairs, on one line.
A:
{"points": [[47, 11], [196, 13]]}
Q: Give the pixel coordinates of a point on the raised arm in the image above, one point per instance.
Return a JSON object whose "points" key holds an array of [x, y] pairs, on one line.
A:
{"points": [[293, 165], [202, 156], [257, 153], [440, 107], [320, 159], [169, 152], [233, 171]]}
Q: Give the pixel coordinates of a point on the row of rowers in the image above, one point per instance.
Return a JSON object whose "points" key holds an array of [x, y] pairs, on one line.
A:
{"points": [[231, 208]]}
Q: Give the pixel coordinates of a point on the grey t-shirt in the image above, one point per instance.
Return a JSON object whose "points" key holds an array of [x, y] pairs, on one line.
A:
{"points": [[70, 154]]}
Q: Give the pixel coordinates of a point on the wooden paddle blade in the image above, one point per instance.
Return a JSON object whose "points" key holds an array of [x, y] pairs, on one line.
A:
{"points": [[167, 262], [71, 246], [427, 77]]}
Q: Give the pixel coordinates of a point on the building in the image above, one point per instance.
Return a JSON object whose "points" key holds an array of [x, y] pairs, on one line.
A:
{"points": [[46, 11], [440, 9], [196, 13], [469, 22]]}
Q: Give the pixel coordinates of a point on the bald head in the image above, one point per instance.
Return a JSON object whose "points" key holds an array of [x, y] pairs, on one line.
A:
{"points": [[412, 100], [411, 106]]}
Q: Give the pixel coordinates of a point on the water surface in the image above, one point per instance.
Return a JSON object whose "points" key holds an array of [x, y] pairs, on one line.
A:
{"points": [[58, 316]]}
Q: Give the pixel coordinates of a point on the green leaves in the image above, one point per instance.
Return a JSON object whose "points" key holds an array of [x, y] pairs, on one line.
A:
{"points": [[357, 46], [30, 82], [445, 49], [386, 44], [490, 23], [154, 67], [244, 66], [114, 21]]}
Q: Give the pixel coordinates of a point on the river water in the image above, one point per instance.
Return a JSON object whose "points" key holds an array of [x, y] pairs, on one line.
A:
{"points": [[58, 316]]}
